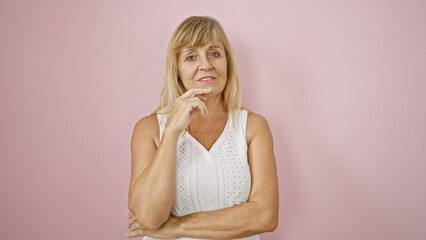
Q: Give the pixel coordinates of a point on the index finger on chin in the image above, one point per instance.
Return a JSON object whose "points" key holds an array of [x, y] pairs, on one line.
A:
{"points": [[196, 91]]}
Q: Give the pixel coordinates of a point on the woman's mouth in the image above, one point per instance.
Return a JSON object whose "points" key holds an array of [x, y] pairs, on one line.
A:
{"points": [[206, 79]]}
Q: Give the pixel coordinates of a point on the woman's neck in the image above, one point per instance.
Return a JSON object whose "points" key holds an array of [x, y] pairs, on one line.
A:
{"points": [[215, 106]]}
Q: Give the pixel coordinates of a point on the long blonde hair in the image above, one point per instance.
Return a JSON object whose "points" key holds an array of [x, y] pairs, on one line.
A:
{"points": [[191, 32]]}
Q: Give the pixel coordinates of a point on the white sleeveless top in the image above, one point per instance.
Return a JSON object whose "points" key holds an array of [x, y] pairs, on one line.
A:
{"points": [[214, 179]]}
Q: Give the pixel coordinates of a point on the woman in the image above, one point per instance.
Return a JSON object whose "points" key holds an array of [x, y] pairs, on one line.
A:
{"points": [[203, 167]]}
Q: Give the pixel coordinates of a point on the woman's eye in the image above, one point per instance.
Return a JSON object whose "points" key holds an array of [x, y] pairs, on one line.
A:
{"points": [[190, 58], [215, 54]]}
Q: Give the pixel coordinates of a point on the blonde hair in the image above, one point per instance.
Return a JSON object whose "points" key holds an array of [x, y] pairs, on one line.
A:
{"points": [[192, 32]]}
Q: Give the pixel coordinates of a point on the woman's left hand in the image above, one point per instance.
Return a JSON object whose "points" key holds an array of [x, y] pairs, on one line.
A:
{"points": [[167, 231]]}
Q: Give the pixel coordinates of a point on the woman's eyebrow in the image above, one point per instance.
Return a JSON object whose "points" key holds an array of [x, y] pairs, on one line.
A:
{"points": [[187, 50], [214, 46]]}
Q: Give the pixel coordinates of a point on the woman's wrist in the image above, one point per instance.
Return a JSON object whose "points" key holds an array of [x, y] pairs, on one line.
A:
{"points": [[168, 131], [177, 225]]}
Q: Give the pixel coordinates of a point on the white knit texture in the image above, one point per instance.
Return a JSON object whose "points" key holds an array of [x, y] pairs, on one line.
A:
{"points": [[214, 179]]}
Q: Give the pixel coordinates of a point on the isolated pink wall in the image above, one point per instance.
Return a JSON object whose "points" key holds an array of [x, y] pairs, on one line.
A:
{"points": [[341, 83]]}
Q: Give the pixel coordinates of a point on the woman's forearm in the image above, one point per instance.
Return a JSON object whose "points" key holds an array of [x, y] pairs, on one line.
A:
{"points": [[239, 221], [151, 197]]}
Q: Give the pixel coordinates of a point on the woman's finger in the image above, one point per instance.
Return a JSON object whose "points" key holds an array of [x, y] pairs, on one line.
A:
{"points": [[194, 91], [205, 107], [195, 106], [136, 233], [198, 104], [204, 91], [131, 221], [201, 102], [135, 225]]}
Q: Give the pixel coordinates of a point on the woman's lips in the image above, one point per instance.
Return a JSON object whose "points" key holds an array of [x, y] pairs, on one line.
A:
{"points": [[207, 80]]}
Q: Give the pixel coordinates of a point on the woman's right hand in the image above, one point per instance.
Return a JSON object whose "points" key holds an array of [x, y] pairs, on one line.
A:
{"points": [[186, 107]]}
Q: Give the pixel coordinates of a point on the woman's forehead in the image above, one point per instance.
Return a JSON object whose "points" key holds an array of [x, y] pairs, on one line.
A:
{"points": [[208, 45]]}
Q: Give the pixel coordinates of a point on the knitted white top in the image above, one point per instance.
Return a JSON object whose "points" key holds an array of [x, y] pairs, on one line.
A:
{"points": [[214, 179]]}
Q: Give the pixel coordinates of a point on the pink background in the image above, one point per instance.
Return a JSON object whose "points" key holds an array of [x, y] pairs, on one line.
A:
{"points": [[341, 83]]}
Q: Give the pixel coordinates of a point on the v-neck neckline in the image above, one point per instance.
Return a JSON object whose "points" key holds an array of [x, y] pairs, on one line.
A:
{"points": [[217, 142]]}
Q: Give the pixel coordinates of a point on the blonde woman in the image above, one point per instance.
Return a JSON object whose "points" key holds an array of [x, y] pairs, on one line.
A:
{"points": [[203, 167]]}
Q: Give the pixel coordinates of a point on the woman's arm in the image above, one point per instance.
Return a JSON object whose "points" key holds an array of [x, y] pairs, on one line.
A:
{"points": [[260, 213], [152, 184], [151, 190]]}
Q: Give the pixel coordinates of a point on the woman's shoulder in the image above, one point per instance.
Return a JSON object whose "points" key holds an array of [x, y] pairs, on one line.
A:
{"points": [[147, 126], [148, 121], [254, 118], [255, 123]]}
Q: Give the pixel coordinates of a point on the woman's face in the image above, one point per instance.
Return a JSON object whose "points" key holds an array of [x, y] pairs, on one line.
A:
{"points": [[203, 67]]}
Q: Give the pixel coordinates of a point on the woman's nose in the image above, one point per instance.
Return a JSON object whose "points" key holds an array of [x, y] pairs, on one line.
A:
{"points": [[205, 64]]}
